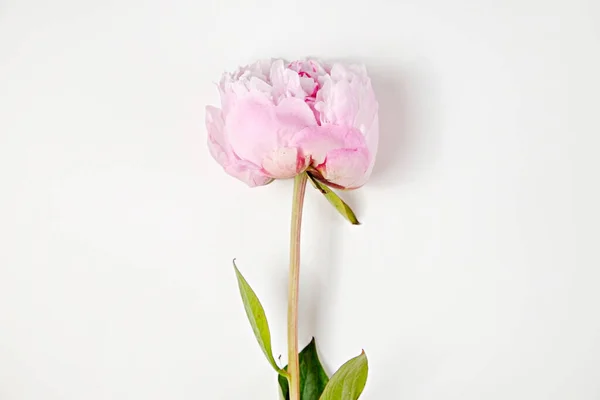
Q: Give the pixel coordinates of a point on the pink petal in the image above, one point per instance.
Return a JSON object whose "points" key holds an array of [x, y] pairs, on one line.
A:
{"points": [[346, 167], [284, 163], [372, 139], [347, 98], [285, 82], [318, 141], [217, 145], [222, 153], [248, 173], [255, 127]]}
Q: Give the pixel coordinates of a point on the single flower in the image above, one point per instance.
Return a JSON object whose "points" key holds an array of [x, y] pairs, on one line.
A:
{"points": [[279, 119]]}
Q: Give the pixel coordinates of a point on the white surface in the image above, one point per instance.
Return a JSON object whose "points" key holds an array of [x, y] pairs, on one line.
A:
{"points": [[474, 276]]}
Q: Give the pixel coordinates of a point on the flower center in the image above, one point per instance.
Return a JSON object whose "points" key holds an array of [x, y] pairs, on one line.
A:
{"points": [[308, 72]]}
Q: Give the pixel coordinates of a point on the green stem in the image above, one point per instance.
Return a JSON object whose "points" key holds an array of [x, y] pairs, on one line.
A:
{"points": [[293, 289]]}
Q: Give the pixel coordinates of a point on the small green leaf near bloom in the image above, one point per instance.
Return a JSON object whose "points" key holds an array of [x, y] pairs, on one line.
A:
{"points": [[349, 381], [313, 378], [258, 319], [335, 200]]}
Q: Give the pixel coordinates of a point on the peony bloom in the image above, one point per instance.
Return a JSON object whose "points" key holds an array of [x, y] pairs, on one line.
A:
{"points": [[278, 119]]}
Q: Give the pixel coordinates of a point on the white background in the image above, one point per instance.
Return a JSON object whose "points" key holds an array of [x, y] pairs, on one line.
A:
{"points": [[475, 273]]}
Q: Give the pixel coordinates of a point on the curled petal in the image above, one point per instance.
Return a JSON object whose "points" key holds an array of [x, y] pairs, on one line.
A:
{"points": [[248, 173], [285, 82], [222, 153], [217, 145], [252, 78]]}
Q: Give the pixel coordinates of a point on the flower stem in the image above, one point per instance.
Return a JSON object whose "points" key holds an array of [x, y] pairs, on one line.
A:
{"points": [[294, 286]]}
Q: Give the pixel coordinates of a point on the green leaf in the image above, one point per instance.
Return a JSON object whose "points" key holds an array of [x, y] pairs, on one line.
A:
{"points": [[349, 381], [335, 200], [313, 378], [258, 319]]}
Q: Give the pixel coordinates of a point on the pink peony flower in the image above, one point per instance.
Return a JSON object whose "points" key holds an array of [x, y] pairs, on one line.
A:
{"points": [[278, 119]]}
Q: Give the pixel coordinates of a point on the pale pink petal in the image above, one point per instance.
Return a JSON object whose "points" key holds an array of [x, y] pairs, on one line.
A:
{"points": [[255, 127], [285, 162], [253, 78], [258, 85], [217, 145], [261, 69], [346, 167], [286, 82], [248, 173], [222, 153], [336, 103], [366, 119], [347, 98], [317, 141], [372, 139]]}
